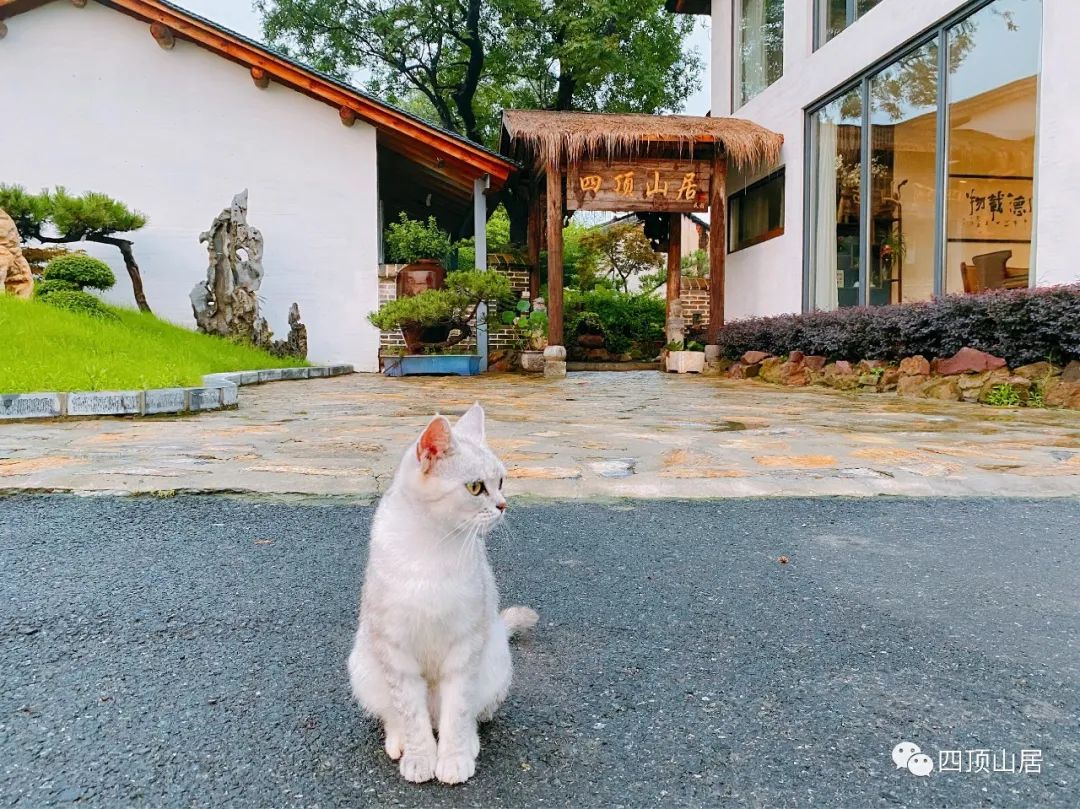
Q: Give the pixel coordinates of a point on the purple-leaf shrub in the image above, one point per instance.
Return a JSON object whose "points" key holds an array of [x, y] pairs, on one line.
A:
{"points": [[1021, 326]]}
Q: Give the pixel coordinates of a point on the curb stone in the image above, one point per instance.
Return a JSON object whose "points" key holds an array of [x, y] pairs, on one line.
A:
{"points": [[218, 392]]}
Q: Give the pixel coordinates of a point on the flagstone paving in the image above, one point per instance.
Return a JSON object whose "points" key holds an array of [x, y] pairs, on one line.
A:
{"points": [[638, 434]]}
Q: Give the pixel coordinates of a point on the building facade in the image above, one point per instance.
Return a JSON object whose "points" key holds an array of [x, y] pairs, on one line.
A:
{"points": [[173, 115], [929, 147]]}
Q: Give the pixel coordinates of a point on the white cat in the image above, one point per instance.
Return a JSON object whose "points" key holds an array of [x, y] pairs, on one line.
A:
{"points": [[431, 654]]}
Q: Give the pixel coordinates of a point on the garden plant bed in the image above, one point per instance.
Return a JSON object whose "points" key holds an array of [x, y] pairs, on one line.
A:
{"points": [[969, 376]]}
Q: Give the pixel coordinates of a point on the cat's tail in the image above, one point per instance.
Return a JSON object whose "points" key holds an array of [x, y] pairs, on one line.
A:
{"points": [[518, 620]]}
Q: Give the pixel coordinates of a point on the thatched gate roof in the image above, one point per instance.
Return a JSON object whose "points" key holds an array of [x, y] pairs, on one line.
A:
{"points": [[544, 138]]}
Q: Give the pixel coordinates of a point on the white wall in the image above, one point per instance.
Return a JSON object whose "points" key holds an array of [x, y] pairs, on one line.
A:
{"points": [[767, 278], [1057, 174], [100, 107]]}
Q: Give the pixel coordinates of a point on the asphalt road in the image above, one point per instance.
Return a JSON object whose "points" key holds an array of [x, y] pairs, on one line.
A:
{"points": [[190, 652]]}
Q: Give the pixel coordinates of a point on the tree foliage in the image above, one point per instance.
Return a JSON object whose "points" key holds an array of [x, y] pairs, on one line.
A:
{"points": [[459, 62], [57, 217], [619, 252]]}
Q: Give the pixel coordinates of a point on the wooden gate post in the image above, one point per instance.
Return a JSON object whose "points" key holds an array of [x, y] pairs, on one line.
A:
{"points": [[555, 353], [534, 235], [674, 262], [717, 244]]}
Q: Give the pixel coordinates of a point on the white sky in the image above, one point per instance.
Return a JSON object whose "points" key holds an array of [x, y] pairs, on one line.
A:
{"points": [[242, 18]]}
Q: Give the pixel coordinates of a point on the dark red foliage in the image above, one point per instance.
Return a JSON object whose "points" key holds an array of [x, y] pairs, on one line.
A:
{"points": [[1022, 326]]}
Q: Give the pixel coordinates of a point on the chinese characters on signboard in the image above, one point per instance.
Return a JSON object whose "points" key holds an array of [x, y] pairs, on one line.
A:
{"points": [[644, 186], [990, 209]]}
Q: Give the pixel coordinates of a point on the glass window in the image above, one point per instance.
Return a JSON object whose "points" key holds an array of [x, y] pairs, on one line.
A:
{"points": [[903, 170], [758, 46], [757, 212], [837, 232], [835, 15], [992, 86]]}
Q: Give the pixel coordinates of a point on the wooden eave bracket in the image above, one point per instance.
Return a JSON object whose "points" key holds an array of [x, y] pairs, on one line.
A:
{"points": [[162, 35], [260, 77]]}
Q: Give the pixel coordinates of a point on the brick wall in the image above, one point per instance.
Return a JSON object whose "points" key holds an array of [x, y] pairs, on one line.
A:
{"points": [[695, 300], [499, 336]]}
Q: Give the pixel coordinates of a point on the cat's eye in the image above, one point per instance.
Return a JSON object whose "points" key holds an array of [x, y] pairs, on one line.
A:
{"points": [[476, 488]]}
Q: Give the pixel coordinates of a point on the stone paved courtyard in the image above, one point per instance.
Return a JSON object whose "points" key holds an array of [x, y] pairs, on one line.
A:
{"points": [[638, 434]]}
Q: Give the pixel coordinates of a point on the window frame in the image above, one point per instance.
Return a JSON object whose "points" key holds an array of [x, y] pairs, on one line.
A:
{"points": [[735, 67], [939, 32], [777, 174]]}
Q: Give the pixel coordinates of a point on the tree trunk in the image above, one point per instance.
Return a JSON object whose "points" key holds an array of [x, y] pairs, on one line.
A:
{"points": [[132, 268]]}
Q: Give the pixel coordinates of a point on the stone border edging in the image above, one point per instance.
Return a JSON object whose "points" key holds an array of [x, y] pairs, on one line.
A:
{"points": [[218, 392]]}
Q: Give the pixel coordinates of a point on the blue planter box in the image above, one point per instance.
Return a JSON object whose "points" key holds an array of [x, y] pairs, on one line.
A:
{"points": [[432, 364]]}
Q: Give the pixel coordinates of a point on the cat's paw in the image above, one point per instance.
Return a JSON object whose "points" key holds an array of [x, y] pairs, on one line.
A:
{"points": [[395, 745], [417, 768], [456, 768]]}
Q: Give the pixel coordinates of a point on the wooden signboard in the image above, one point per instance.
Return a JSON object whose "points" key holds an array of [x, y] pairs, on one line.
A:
{"points": [[646, 185]]}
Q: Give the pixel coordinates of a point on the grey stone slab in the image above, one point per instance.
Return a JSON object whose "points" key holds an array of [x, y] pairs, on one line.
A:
{"points": [[294, 373], [269, 375], [204, 398], [230, 395], [32, 405], [248, 378], [105, 403], [340, 370], [318, 371], [165, 400]]}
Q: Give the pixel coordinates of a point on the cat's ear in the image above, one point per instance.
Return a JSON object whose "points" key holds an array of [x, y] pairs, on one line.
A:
{"points": [[434, 443], [472, 423]]}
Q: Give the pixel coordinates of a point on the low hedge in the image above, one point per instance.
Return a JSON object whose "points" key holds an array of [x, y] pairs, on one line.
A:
{"points": [[1020, 326], [79, 301], [80, 270]]}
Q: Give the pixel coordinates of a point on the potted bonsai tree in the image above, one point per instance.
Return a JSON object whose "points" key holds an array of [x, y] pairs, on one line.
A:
{"points": [[421, 247], [685, 358], [438, 320]]}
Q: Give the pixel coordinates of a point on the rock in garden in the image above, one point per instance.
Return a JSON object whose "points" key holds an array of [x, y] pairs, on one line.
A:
{"points": [[912, 384], [1071, 372], [889, 379], [1019, 384], [1039, 370], [815, 362], [1058, 392], [15, 277], [866, 366], [797, 357], [915, 366], [969, 361], [770, 370], [590, 340], [945, 388], [840, 375], [794, 374], [754, 357]]}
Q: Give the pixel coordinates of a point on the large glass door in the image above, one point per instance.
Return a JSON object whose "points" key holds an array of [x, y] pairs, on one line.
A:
{"points": [[921, 175]]}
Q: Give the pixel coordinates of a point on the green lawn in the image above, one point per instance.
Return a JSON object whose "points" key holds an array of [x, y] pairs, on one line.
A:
{"points": [[46, 349]]}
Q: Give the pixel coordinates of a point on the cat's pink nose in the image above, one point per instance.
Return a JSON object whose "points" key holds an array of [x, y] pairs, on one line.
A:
{"points": [[501, 506]]}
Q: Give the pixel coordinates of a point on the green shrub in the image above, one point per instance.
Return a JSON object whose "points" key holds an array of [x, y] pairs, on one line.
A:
{"points": [[628, 321], [51, 285], [1004, 395], [78, 301], [82, 271], [410, 240]]}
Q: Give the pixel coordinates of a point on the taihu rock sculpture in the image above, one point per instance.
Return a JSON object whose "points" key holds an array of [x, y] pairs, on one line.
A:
{"points": [[15, 277], [226, 303]]}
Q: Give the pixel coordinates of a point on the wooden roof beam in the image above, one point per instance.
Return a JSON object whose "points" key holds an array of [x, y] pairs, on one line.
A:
{"points": [[162, 35]]}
